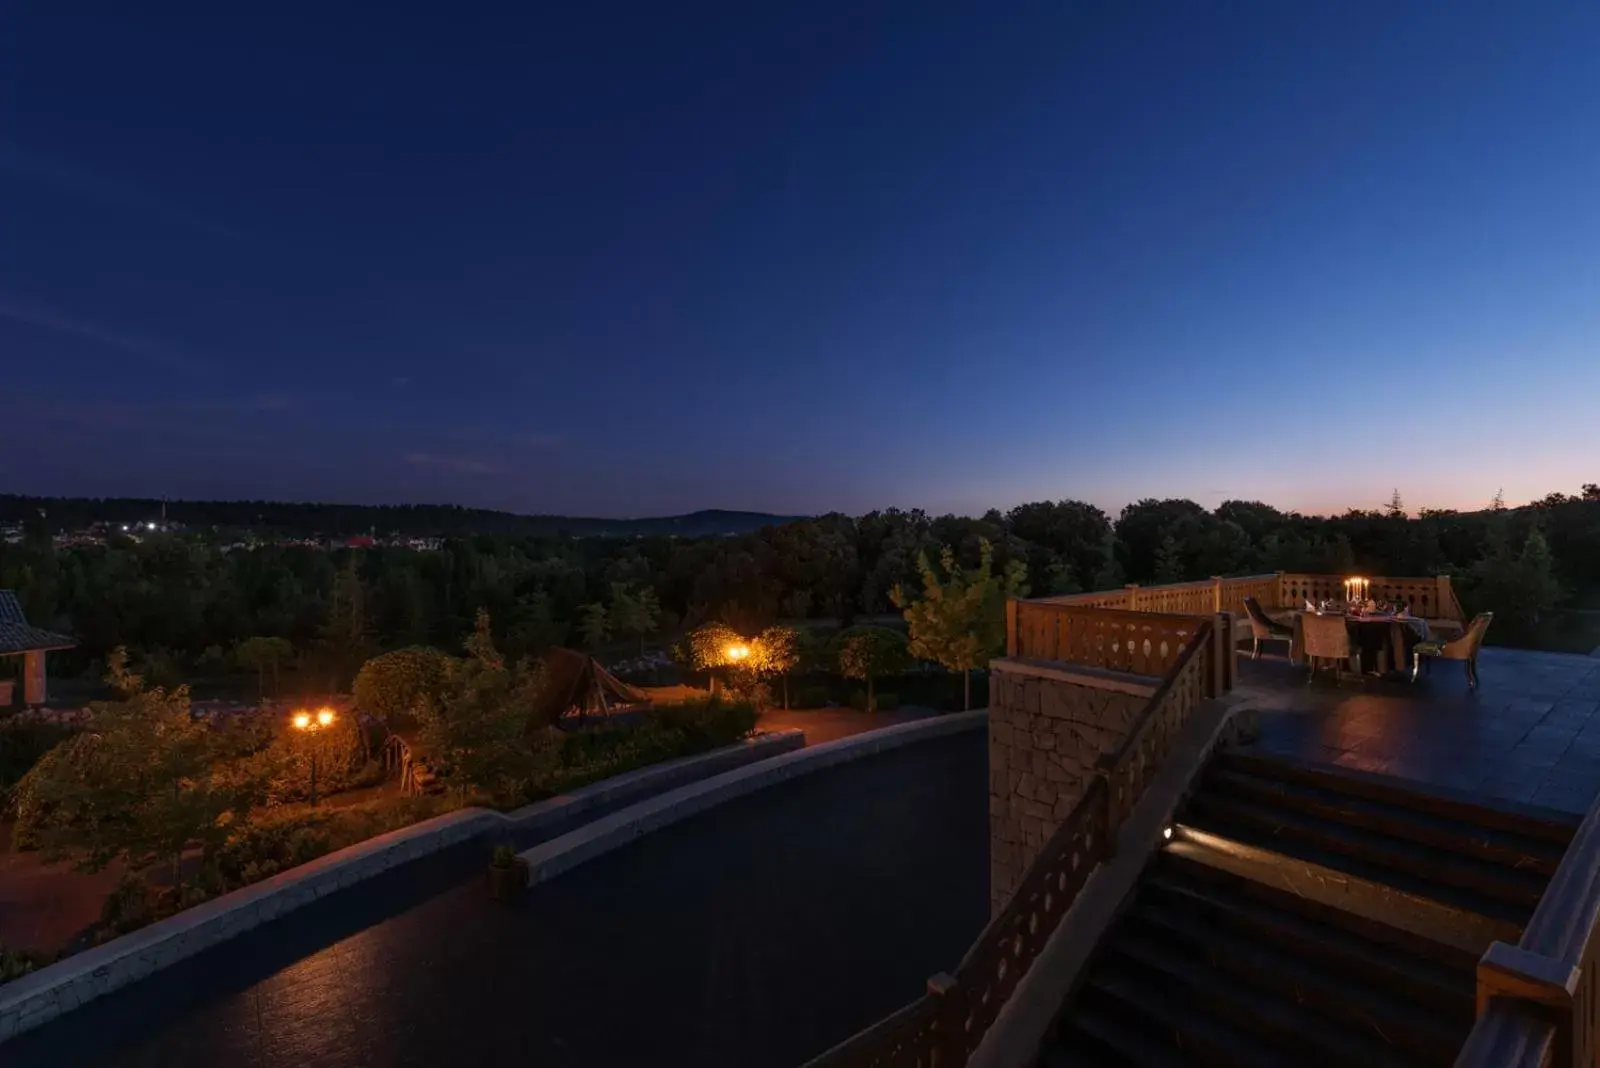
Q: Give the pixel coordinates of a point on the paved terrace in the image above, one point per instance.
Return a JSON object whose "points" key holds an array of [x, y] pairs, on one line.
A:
{"points": [[1530, 734]]}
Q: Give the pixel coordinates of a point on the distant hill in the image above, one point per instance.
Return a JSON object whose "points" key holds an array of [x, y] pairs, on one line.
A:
{"points": [[418, 520]]}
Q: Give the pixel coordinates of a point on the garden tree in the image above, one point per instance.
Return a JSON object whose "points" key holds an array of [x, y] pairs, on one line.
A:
{"points": [[707, 648], [959, 620], [480, 733], [480, 643], [343, 636], [143, 782], [633, 614], [775, 653], [594, 627], [393, 686], [262, 654], [1518, 587], [869, 652], [1143, 527], [1169, 562], [122, 679]]}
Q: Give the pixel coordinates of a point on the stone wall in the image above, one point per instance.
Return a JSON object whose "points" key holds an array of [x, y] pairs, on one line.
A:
{"points": [[1048, 724]]}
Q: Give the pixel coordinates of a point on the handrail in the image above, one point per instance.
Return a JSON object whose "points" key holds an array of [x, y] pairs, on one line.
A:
{"points": [[1279, 589], [1509, 1034], [943, 1027], [1555, 966], [1126, 768]]}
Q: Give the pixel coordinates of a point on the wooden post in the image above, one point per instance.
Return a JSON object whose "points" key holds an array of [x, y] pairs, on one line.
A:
{"points": [[1226, 655], [1216, 593], [950, 1044], [34, 689], [1277, 596], [1444, 600], [1011, 626], [1133, 596]]}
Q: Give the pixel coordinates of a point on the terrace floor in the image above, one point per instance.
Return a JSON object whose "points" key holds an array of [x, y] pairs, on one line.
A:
{"points": [[1530, 734]]}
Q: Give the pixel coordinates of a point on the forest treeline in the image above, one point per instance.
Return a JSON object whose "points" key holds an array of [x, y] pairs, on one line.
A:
{"points": [[180, 601]]}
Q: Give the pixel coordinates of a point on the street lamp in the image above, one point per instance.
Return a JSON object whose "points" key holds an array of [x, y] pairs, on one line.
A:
{"points": [[309, 724], [738, 652]]}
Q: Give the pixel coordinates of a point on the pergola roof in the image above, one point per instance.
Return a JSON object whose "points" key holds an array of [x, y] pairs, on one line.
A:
{"points": [[17, 635]]}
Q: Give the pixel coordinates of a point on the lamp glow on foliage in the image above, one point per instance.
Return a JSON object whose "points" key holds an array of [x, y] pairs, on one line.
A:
{"points": [[302, 721]]}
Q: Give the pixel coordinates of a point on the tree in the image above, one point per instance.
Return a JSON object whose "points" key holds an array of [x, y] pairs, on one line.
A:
{"points": [[392, 687], [1169, 562], [343, 636], [142, 783], [1518, 587], [632, 613], [481, 733], [868, 652], [1396, 508], [261, 654], [1591, 491], [480, 644], [960, 619], [776, 652], [594, 627]]}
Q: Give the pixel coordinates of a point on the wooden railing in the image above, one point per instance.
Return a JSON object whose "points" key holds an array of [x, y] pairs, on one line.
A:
{"points": [[1144, 643], [1553, 972], [1431, 597], [943, 1027], [1127, 769], [1509, 1034]]}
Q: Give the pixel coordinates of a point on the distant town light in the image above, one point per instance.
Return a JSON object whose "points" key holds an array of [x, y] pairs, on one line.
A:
{"points": [[151, 525], [124, 528]]}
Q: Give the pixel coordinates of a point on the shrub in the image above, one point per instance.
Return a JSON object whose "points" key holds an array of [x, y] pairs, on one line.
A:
{"points": [[130, 905], [15, 963], [390, 687]]}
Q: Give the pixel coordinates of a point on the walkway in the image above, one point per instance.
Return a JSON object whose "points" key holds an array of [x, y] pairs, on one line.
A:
{"points": [[831, 724], [755, 934], [1530, 734]]}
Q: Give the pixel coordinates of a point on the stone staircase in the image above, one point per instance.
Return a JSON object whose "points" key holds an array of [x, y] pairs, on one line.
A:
{"points": [[1303, 914]]}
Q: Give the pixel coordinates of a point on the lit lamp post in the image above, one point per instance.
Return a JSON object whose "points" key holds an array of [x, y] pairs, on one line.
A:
{"points": [[306, 723]]}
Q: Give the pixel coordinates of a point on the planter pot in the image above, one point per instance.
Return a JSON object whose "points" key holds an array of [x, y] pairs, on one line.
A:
{"points": [[507, 884]]}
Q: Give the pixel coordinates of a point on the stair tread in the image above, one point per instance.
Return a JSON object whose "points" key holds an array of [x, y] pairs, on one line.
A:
{"points": [[1490, 844], [1285, 1022], [1191, 1033], [1127, 1044], [1532, 821], [1443, 986], [1352, 1002], [1481, 887]]}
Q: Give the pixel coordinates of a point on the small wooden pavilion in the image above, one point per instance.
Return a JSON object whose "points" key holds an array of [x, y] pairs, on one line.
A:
{"points": [[20, 638]]}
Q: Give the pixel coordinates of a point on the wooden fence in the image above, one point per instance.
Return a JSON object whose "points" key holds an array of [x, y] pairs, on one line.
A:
{"points": [[1430, 597], [1551, 978], [943, 1027]]}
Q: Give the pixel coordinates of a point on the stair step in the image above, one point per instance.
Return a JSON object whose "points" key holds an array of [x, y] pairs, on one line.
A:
{"points": [[1409, 972], [1194, 1036], [1485, 888], [1460, 936], [1101, 1038], [1488, 844], [1528, 821], [1347, 1000], [1272, 1017]]}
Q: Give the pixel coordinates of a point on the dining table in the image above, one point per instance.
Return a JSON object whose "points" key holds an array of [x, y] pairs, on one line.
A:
{"points": [[1385, 639]]}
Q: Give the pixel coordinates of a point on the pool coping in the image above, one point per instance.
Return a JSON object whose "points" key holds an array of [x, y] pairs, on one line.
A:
{"points": [[565, 852], [47, 993]]}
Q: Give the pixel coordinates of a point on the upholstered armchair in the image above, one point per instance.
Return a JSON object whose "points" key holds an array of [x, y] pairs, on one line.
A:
{"points": [[1464, 648], [1328, 639], [1264, 628]]}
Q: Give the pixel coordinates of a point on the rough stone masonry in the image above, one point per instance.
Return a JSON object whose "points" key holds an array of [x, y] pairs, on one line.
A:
{"points": [[1048, 724]]}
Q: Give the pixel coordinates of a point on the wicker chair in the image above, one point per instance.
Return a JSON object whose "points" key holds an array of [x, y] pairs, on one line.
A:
{"points": [[1327, 638], [1264, 628], [1464, 648]]}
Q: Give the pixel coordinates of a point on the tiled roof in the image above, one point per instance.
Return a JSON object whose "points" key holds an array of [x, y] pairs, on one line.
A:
{"points": [[18, 636]]}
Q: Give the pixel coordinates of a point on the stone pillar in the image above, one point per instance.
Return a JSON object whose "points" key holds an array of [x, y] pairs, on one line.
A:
{"points": [[33, 678], [1047, 727]]}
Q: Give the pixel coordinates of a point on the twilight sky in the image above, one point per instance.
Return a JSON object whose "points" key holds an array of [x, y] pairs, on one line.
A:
{"points": [[638, 258]]}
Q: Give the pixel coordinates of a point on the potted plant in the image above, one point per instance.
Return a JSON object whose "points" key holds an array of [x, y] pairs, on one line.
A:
{"points": [[508, 874]]}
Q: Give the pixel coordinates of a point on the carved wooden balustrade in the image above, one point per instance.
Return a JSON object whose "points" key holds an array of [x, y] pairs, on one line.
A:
{"points": [[1144, 643], [1431, 597], [1127, 770], [1551, 977], [943, 1027]]}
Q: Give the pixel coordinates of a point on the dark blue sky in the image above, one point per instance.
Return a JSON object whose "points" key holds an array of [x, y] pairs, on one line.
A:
{"points": [[643, 258]]}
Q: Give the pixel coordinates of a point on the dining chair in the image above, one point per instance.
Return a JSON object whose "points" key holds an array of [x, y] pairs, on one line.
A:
{"points": [[1464, 648], [1264, 628], [1328, 638]]}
